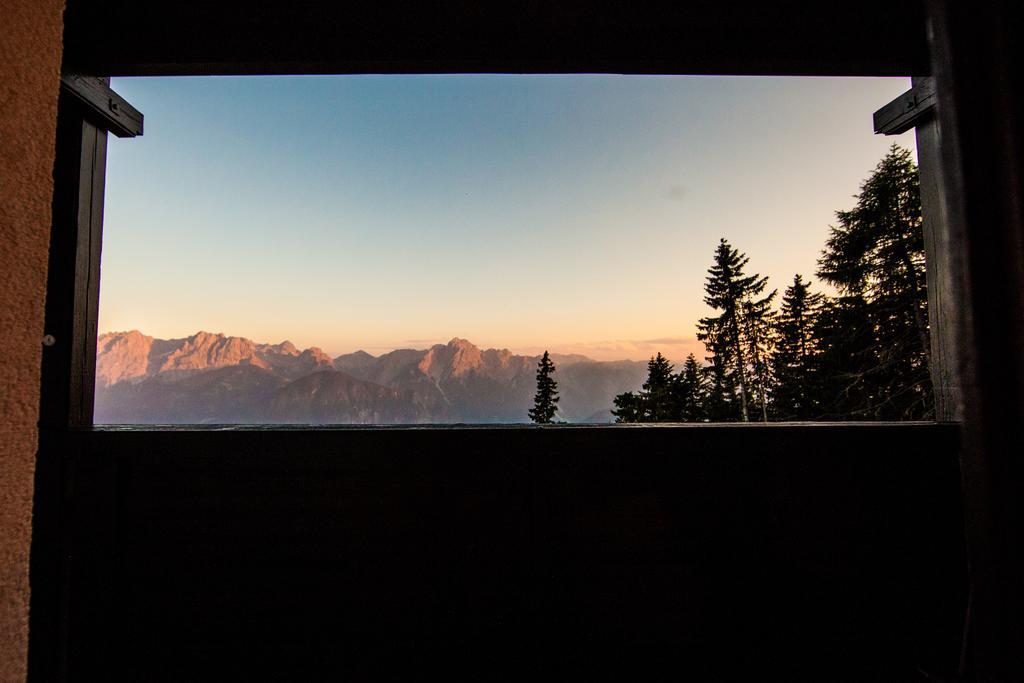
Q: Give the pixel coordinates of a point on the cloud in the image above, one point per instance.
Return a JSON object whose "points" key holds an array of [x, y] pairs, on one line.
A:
{"points": [[668, 340], [674, 348]]}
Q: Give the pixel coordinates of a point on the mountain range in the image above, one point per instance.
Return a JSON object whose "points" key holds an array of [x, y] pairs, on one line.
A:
{"points": [[212, 378]]}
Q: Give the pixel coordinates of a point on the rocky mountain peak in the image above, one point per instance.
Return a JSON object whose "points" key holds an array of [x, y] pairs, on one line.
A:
{"points": [[205, 350], [122, 356], [317, 355], [457, 357], [286, 348], [355, 360], [131, 336]]}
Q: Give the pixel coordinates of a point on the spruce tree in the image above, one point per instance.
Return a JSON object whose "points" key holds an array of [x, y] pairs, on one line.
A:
{"points": [[794, 395], [758, 320], [657, 394], [629, 407], [875, 258], [727, 288], [545, 401], [689, 391], [844, 362], [719, 404], [656, 402]]}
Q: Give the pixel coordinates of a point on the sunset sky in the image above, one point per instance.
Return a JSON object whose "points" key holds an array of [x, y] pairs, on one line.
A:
{"points": [[571, 213]]}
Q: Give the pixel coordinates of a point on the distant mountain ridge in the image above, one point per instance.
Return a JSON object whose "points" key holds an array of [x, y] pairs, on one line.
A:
{"points": [[132, 355], [213, 378]]}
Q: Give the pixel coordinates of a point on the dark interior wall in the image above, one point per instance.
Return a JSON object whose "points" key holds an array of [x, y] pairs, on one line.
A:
{"points": [[30, 54]]}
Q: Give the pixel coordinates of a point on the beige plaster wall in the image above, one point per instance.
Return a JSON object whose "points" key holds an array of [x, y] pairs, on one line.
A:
{"points": [[30, 53]]}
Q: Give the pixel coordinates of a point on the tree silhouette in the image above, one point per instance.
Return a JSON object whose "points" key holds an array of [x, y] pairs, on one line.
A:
{"points": [[793, 367], [875, 258], [658, 401], [545, 401], [728, 289], [758, 319], [658, 391], [845, 357], [689, 391], [629, 407], [862, 354], [719, 404]]}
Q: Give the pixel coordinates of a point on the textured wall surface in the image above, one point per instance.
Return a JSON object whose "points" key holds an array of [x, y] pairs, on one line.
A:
{"points": [[30, 53]]}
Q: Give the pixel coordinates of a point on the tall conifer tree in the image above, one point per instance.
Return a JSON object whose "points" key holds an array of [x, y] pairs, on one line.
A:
{"points": [[689, 389], [875, 258], [719, 404], [845, 361], [727, 288], [794, 395], [658, 391], [545, 401], [629, 407], [758, 319], [656, 402]]}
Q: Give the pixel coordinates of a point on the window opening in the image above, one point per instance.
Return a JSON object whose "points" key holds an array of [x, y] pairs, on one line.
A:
{"points": [[404, 250]]}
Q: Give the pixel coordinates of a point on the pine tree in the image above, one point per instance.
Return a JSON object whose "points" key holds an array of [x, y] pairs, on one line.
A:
{"points": [[844, 361], [719, 404], [545, 401], [689, 391], [875, 258], [727, 289], [657, 394], [657, 400], [629, 407], [758, 320], [793, 395]]}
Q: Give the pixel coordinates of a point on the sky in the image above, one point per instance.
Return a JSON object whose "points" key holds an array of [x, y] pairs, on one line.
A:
{"points": [[572, 213]]}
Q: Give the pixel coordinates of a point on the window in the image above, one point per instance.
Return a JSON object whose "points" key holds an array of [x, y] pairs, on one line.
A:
{"points": [[315, 551], [402, 249]]}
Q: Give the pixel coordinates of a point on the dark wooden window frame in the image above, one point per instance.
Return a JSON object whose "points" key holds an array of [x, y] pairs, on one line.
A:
{"points": [[72, 297], [561, 43], [69, 470], [90, 109], [87, 111]]}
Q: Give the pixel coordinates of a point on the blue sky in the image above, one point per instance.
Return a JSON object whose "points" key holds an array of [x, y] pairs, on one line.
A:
{"points": [[575, 213]]}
